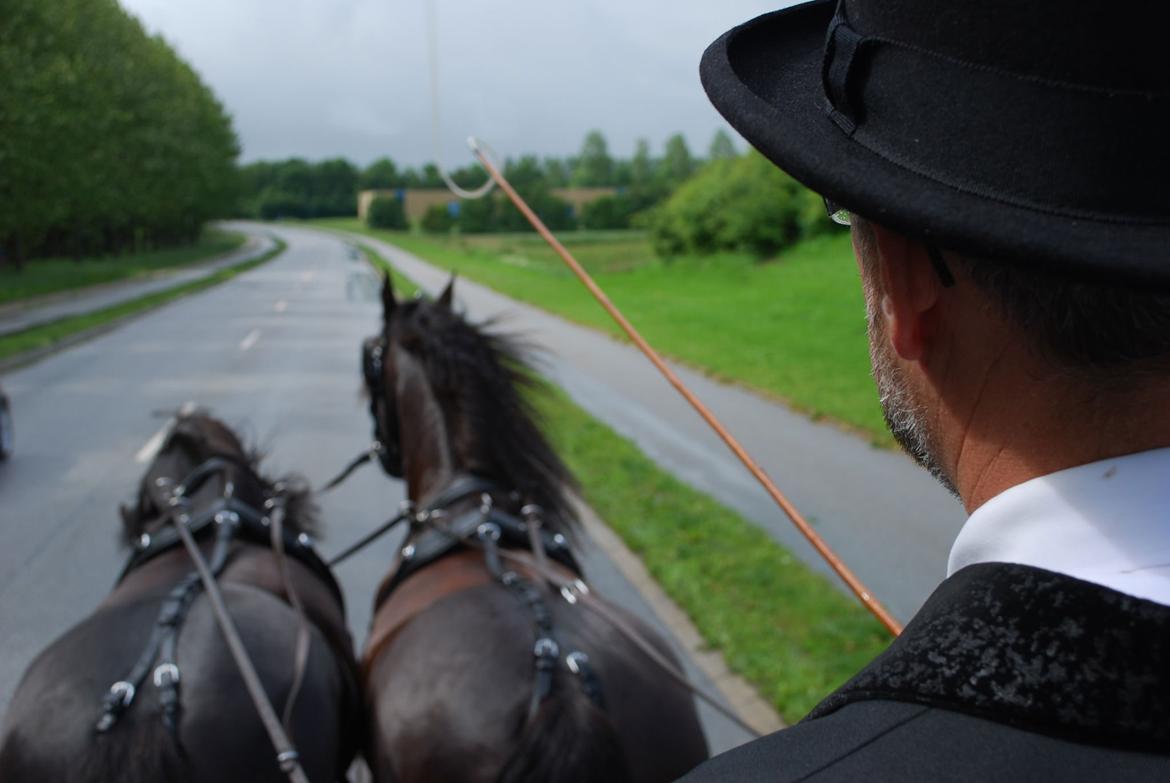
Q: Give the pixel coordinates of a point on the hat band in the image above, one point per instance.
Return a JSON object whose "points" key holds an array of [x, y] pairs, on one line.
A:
{"points": [[1065, 149]]}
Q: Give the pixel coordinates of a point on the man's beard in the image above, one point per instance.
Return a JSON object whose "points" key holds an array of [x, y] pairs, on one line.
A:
{"points": [[905, 416]]}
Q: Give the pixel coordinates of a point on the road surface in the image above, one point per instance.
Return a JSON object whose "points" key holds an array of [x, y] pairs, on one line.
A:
{"points": [[275, 352]]}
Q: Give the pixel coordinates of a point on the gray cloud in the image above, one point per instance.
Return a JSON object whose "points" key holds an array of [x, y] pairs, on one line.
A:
{"points": [[350, 77]]}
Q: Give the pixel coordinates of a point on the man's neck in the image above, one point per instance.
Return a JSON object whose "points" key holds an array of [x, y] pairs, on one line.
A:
{"points": [[1023, 427]]}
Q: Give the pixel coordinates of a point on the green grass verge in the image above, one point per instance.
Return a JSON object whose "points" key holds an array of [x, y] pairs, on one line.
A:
{"points": [[403, 286], [781, 626], [46, 335], [51, 275], [792, 327]]}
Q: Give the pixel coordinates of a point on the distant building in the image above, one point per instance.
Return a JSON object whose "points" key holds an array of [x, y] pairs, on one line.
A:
{"points": [[416, 201]]}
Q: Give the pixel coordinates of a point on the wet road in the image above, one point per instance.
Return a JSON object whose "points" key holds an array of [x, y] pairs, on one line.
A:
{"points": [[274, 352]]}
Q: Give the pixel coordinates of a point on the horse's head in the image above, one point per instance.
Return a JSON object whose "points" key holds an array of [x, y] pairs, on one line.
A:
{"points": [[450, 397], [205, 452]]}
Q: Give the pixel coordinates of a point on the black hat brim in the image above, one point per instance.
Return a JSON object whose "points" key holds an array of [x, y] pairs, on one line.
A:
{"points": [[764, 77]]}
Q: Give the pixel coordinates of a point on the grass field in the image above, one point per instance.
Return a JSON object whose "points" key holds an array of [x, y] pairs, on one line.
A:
{"points": [[792, 327], [51, 275], [784, 628], [46, 335]]}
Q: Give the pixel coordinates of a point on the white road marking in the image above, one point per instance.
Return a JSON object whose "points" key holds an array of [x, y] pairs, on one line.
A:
{"points": [[308, 277], [250, 340], [280, 306], [151, 447]]}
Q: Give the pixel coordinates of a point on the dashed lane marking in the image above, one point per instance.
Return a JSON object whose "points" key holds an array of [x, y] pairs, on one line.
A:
{"points": [[151, 447], [252, 338]]}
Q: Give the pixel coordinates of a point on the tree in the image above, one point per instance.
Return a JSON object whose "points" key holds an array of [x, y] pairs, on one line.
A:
{"points": [[642, 165], [437, 219], [101, 153], [677, 164], [556, 172], [386, 212], [594, 165], [382, 174], [722, 147]]}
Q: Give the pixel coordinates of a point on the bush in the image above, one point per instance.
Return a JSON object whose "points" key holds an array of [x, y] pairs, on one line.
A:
{"points": [[743, 204], [478, 216], [438, 219], [609, 212], [386, 212]]}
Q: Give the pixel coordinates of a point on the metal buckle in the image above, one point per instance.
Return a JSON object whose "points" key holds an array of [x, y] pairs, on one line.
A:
{"points": [[546, 648], [573, 591], [124, 692], [576, 661], [166, 674], [288, 761]]}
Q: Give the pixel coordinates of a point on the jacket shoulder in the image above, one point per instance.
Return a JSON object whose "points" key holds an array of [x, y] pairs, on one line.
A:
{"points": [[897, 741]]}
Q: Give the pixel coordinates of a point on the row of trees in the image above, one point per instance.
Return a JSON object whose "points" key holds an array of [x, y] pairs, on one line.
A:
{"points": [[108, 141], [300, 189]]}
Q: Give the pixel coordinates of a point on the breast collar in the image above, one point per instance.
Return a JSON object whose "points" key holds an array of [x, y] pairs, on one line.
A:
{"points": [[250, 525], [438, 538]]}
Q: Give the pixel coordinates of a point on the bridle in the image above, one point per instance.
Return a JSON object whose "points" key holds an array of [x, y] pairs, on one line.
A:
{"points": [[386, 445]]}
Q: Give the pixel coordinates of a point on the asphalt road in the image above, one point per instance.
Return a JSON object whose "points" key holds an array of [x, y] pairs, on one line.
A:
{"points": [[274, 352]]}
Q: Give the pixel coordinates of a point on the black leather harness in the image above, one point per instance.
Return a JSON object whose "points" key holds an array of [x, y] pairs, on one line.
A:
{"points": [[228, 519]]}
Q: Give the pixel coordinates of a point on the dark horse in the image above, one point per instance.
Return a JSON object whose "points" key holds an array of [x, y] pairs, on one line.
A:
{"points": [[191, 718], [475, 669]]}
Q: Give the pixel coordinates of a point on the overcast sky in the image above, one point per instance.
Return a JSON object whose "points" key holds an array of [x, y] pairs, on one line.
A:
{"points": [[322, 78]]}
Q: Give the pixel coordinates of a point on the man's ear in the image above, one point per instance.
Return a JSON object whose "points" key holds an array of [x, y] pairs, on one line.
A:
{"points": [[910, 292], [388, 300], [448, 294]]}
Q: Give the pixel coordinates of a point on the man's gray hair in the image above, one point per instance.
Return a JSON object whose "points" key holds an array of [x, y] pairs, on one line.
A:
{"points": [[1094, 329]]}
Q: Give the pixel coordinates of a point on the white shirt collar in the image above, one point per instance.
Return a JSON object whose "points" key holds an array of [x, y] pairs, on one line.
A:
{"points": [[1106, 522]]}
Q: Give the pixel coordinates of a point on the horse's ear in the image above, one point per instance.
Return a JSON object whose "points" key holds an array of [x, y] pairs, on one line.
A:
{"points": [[388, 300], [448, 294]]}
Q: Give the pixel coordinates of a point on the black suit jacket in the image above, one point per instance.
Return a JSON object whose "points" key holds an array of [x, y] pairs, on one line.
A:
{"points": [[1007, 673]]}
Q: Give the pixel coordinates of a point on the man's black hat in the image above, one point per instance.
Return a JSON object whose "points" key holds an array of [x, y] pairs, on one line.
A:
{"points": [[1028, 130]]}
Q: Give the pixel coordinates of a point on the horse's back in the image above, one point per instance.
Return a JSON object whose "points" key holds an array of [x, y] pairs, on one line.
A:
{"points": [[450, 695], [50, 730]]}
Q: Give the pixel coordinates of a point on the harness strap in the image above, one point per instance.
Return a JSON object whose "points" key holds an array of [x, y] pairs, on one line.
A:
{"points": [[286, 754], [545, 651], [575, 591], [301, 655], [361, 459], [163, 643]]}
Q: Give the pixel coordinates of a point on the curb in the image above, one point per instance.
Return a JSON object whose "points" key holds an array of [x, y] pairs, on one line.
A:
{"points": [[246, 249], [36, 354]]}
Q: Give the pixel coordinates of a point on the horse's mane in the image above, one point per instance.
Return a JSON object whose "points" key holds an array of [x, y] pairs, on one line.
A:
{"points": [[484, 381], [197, 437]]}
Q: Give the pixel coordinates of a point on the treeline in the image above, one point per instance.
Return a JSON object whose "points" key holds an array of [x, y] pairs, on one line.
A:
{"points": [[108, 141], [299, 189]]}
